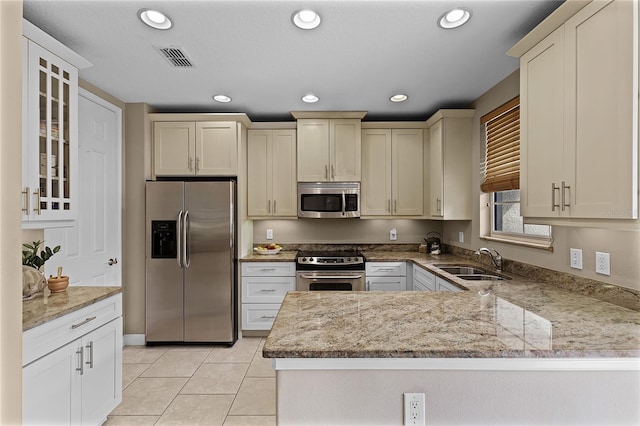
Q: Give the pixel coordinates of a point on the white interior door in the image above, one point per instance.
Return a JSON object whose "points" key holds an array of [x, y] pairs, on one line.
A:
{"points": [[91, 250]]}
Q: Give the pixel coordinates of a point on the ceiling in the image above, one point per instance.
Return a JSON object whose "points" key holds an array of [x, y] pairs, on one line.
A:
{"points": [[362, 53]]}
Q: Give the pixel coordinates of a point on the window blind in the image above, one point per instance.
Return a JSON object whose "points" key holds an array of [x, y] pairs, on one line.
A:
{"points": [[501, 164]]}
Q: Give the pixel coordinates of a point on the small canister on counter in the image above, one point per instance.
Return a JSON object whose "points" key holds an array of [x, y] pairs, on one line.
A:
{"points": [[433, 243]]}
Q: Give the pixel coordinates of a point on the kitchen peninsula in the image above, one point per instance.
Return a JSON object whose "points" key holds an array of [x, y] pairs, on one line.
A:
{"points": [[510, 352]]}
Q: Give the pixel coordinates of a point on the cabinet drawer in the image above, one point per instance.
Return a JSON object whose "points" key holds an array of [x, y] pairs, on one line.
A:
{"points": [[382, 269], [259, 316], [47, 337], [269, 269], [426, 279], [266, 289], [444, 285], [386, 283]]}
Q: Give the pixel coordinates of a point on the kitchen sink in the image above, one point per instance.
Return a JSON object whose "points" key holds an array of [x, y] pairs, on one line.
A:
{"points": [[462, 270], [482, 277]]}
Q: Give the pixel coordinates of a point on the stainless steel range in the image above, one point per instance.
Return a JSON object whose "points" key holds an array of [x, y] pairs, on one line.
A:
{"points": [[330, 271]]}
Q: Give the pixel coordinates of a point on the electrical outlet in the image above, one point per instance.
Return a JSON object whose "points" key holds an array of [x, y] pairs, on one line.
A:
{"points": [[576, 258], [461, 237], [269, 234], [393, 234], [603, 265], [414, 410]]}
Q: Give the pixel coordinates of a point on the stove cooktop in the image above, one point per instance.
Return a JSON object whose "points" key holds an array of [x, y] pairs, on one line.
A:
{"points": [[332, 259]]}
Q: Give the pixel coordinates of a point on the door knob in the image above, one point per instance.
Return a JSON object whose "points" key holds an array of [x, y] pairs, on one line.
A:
{"points": [[112, 261]]}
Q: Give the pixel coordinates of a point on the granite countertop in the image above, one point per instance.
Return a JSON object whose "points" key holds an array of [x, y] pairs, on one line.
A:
{"points": [[518, 318], [50, 306], [283, 256]]}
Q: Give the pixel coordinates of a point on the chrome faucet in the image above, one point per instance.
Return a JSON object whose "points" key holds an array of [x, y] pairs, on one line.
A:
{"points": [[496, 259]]}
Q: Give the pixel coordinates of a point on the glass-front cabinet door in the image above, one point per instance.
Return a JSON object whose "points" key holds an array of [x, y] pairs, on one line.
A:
{"points": [[50, 144]]}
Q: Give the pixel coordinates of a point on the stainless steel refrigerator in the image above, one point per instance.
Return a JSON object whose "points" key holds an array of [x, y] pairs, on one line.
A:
{"points": [[191, 262]]}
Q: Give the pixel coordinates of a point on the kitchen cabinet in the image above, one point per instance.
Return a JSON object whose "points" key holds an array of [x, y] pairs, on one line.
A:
{"points": [[202, 148], [423, 280], [264, 285], [50, 138], [579, 100], [392, 172], [72, 371], [450, 164], [329, 150], [386, 276], [444, 285], [271, 173]]}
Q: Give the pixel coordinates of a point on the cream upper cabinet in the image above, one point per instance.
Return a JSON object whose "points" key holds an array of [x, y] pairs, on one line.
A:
{"points": [[392, 172], [329, 150], [579, 103], [271, 173], [50, 139], [450, 164], [195, 148]]}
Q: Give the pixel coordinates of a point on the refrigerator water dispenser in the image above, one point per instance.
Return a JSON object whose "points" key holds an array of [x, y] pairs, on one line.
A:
{"points": [[163, 239]]}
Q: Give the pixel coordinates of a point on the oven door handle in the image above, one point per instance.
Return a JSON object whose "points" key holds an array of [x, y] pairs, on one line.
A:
{"points": [[331, 277]]}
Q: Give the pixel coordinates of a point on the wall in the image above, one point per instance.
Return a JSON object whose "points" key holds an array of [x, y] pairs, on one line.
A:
{"points": [[344, 231], [136, 156], [10, 220], [623, 242]]}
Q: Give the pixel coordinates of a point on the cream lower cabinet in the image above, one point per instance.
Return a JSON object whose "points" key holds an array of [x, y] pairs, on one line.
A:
{"points": [[264, 285], [450, 164], [392, 172], [386, 276], [579, 124], [80, 380], [271, 173], [329, 150], [195, 148]]}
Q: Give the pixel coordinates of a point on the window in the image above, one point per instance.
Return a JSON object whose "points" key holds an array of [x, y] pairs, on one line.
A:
{"points": [[501, 177]]}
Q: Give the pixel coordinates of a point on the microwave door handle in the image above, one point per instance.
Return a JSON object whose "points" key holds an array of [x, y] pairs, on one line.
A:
{"points": [[344, 204]]}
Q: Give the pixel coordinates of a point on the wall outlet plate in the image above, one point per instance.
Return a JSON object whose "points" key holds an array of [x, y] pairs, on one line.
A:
{"points": [[575, 256], [461, 237], [414, 409], [603, 263], [393, 234], [269, 234]]}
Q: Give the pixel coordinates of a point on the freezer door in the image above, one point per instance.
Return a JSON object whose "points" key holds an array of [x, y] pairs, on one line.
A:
{"points": [[210, 275], [164, 278]]}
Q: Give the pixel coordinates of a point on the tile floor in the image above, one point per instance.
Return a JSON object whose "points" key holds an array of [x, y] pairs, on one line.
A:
{"points": [[197, 385]]}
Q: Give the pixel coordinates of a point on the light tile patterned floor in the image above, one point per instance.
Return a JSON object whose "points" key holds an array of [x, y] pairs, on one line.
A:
{"points": [[197, 385]]}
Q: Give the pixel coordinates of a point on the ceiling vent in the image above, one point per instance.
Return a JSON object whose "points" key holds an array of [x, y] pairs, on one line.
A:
{"points": [[176, 56]]}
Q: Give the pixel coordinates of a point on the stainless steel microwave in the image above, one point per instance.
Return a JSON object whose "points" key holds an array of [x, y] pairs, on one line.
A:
{"points": [[333, 200]]}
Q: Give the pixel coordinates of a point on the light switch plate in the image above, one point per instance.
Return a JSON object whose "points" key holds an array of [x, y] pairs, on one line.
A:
{"points": [[576, 258], [603, 263], [461, 237]]}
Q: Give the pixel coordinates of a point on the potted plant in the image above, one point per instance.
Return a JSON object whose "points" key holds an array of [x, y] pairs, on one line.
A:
{"points": [[33, 279], [30, 256]]}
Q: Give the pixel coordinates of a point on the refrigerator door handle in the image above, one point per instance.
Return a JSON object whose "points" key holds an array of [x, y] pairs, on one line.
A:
{"points": [[185, 240], [179, 242]]}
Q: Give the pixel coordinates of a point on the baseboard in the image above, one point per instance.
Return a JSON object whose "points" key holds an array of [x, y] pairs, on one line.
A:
{"points": [[133, 340]]}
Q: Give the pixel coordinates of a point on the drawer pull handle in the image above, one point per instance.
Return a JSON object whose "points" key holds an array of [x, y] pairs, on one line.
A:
{"points": [[80, 324], [386, 269], [267, 290], [267, 317], [267, 269]]}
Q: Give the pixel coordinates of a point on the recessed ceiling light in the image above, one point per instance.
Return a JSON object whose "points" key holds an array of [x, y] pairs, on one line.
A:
{"points": [[222, 98], [454, 18], [155, 19], [399, 98], [306, 19], [310, 98]]}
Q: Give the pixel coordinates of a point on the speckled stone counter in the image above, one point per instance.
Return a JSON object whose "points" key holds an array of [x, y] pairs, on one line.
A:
{"points": [[283, 256], [48, 307], [518, 318]]}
